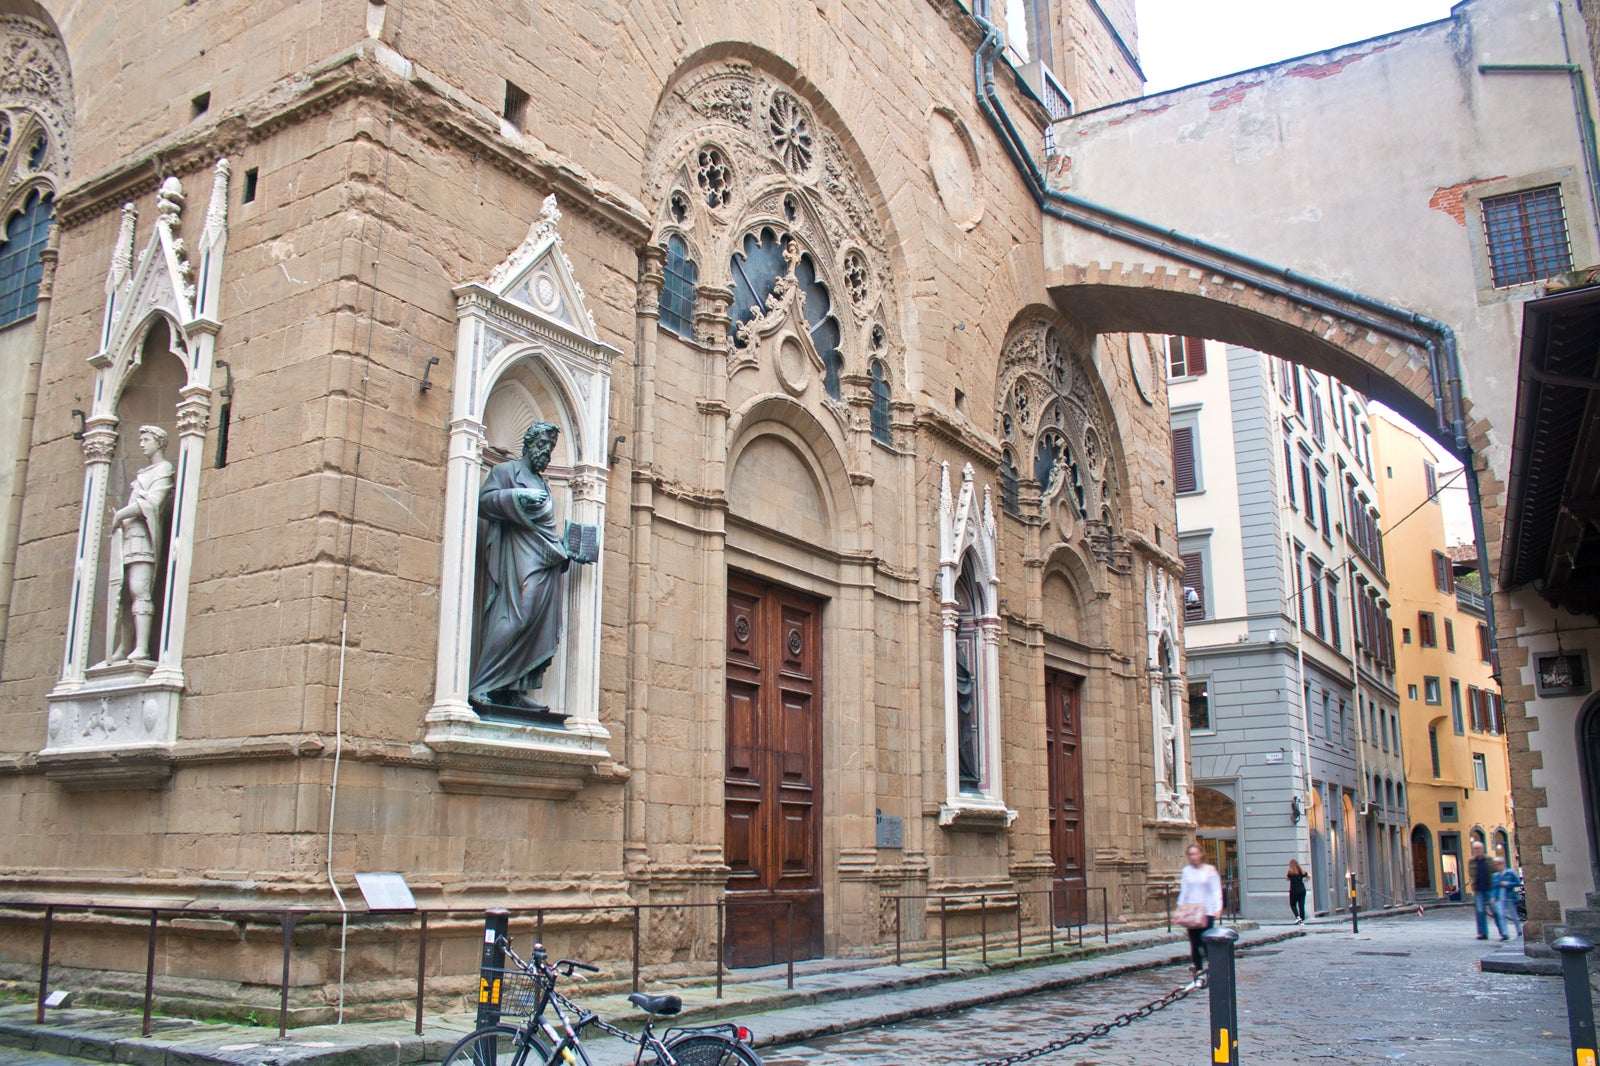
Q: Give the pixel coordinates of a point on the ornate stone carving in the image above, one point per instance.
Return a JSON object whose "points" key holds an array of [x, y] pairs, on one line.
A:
{"points": [[1054, 425], [35, 104], [790, 125]]}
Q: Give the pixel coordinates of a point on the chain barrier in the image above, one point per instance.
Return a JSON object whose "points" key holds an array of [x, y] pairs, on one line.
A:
{"points": [[1103, 1028]]}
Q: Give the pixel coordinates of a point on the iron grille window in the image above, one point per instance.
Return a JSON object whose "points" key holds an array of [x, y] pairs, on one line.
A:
{"points": [[677, 290], [20, 265], [1527, 236]]}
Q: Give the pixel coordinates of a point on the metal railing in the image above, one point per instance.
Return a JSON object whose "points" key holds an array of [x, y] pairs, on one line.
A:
{"points": [[1002, 900], [404, 923]]}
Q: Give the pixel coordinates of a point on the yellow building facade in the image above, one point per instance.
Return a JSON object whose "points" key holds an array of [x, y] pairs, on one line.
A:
{"points": [[1452, 718]]}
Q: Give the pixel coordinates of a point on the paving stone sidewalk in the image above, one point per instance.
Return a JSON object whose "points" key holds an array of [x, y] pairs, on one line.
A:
{"points": [[828, 998]]}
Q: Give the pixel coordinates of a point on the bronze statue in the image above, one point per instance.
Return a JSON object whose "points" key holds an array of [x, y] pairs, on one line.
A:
{"points": [[523, 559]]}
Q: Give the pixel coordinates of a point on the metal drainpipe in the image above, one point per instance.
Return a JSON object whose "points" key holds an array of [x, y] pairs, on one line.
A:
{"points": [[1437, 338]]}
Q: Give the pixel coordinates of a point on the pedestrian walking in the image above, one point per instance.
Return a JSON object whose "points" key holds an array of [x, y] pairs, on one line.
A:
{"points": [[1199, 902], [1506, 882], [1297, 879], [1482, 878]]}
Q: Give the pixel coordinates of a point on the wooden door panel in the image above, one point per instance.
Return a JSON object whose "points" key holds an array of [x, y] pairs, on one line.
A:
{"points": [[773, 806], [1064, 762]]}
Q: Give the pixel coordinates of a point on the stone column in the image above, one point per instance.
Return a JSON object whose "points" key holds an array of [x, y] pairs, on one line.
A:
{"points": [[194, 410], [641, 503], [99, 443], [460, 553]]}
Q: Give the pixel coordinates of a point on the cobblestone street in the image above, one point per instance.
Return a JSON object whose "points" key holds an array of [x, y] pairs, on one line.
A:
{"points": [[1404, 990]]}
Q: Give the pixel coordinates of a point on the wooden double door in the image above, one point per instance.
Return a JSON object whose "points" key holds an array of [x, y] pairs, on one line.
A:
{"points": [[1064, 757], [772, 840]]}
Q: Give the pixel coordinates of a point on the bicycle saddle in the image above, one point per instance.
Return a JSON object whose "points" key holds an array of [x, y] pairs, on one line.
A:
{"points": [[656, 1004]]}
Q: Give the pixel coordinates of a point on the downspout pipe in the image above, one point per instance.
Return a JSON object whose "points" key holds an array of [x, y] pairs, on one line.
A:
{"points": [[1435, 337]]}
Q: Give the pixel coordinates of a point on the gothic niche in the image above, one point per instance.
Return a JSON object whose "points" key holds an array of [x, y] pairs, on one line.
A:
{"points": [[1173, 802], [113, 715], [749, 179], [970, 612], [1054, 464], [517, 693]]}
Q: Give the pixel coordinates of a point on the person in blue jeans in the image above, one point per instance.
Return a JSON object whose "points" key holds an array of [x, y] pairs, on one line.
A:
{"points": [[1506, 883], [1482, 877]]}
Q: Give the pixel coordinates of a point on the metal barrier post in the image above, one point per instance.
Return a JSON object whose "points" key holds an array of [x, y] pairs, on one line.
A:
{"points": [[983, 925], [422, 967], [491, 966], [1169, 910], [1105, 913], [44, 964], [721, 924], [1580, 1003], [1355, 918], [1051, 923], [1224, 1003], [1019, 924]]}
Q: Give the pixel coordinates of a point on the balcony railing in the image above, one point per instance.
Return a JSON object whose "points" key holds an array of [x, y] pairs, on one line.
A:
{"points": [[1469, 599]]}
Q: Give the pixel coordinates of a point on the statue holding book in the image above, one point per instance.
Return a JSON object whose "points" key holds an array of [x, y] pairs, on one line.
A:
{"points": [[524, 555]]}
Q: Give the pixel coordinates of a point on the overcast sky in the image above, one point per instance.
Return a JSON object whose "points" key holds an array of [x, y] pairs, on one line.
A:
{"points": [[1185, 41]]}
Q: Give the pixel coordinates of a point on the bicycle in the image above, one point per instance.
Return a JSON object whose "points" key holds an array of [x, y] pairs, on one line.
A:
{"points": [[531, 986]]}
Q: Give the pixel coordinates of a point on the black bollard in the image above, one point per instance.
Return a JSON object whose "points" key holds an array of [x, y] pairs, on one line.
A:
{"points": [[1224, 1001], [1580, 1004], [492, 966], [1355, 920]]}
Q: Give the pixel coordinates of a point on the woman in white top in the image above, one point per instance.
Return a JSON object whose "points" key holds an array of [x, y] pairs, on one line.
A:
{"points": [[1200, 885]]}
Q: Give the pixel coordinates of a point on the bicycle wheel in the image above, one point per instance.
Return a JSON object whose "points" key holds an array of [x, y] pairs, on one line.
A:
{"points": [[706, 1049], [503, 1045]]}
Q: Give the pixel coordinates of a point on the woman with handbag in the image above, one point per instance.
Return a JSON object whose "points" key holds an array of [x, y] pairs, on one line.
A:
{"points": [[1199, 902]]}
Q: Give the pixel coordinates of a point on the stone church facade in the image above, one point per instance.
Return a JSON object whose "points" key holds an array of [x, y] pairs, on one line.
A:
{"points": [[886, 601]]}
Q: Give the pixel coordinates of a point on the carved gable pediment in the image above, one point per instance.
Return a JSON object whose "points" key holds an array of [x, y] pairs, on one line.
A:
{"points": [[538, 276]]}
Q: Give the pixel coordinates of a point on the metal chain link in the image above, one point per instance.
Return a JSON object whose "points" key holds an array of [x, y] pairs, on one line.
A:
{"points": [[1102, 1029]]}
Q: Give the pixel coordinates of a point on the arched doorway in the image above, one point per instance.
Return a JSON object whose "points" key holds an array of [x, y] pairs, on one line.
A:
{"points": [[1422, 861], [1217, 827]]}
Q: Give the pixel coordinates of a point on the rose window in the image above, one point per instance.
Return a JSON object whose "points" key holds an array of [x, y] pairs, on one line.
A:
{"points": [[791, 132]]}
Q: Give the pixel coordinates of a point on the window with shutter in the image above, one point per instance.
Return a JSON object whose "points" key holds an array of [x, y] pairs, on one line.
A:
{"points": [[1449, 635], [1194, 355], [1194, 586], [1183, 468], [1425, 632]]}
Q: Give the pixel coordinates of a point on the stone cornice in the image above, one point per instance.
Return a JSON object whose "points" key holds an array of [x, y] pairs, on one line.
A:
{"points": [[369, 70]]}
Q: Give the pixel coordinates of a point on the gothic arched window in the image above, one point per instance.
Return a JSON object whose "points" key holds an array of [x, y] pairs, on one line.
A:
{"points": [[20, 265], [880, 404], [969, 718], [677, 290], [824, 327]]}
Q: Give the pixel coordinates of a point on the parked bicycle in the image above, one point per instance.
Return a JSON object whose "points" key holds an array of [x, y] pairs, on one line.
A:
{"points": [[538, 1041]]}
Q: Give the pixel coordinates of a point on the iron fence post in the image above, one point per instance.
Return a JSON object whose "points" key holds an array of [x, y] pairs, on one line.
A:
{"points": [[422, 967], [636, 920], [1105, 913], [287, 920], [944, 936], [983, 925], [721, 903], [1219, 944], [44, 963], [1019, 923], [898, 910], [789, 915], [1580, 1002]]}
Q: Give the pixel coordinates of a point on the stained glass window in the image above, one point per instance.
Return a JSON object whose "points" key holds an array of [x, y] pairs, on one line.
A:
{"points": [[20, 266], [677, 291]]}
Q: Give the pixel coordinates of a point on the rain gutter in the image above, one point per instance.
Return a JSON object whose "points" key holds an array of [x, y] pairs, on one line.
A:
{"points": [[1437, 338]]}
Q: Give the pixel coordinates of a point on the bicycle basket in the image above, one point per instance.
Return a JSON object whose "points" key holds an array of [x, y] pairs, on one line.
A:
{"points": [[518, 989]]}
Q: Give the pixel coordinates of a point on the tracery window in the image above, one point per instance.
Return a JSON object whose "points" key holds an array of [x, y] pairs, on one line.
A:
{"points": [[677, 290], [758, 268]]}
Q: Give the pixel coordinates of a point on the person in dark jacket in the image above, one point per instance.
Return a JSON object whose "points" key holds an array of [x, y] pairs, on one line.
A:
{"points": [[1482, 876], [1297, 891]]}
